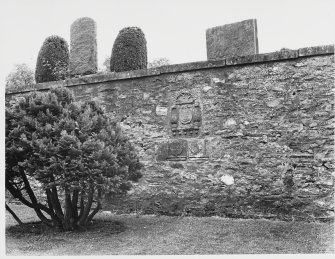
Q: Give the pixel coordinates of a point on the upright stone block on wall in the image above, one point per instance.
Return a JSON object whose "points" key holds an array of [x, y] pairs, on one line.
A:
{"points": [[83, 50], [235, 39]]}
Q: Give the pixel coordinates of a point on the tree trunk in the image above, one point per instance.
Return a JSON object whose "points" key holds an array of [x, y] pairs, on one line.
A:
{"points": [[34, 200], [86, 211], [98, 207], [75, 197], [33, 204], [57, 215], [58, 207], [14, 215], [81, 204], [47, 191], [68, 219], [55, 205]]}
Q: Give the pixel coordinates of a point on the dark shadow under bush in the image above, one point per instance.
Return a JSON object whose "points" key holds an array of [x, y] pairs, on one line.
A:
{"points": [[38, 228]]}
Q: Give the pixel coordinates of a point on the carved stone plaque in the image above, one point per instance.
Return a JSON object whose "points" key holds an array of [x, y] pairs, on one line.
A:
{"points": [[172, 150], [197, 148], [185, 116], [177, 150], [182, 149]]}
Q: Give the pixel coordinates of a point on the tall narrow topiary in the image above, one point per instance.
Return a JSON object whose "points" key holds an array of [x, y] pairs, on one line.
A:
{"points": [[83, 51], [53, 60], [129, 50]]}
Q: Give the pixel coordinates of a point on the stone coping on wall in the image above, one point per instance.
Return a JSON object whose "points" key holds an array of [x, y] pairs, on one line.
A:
{"points": [[230, 61]]}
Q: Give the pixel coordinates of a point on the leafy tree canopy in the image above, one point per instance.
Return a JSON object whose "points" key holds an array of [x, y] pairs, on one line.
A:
{"points": [[158, 62], [21, 78]]}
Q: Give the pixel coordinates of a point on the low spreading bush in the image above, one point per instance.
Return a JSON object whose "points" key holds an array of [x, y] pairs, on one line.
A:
{"points": [[72, 150]]}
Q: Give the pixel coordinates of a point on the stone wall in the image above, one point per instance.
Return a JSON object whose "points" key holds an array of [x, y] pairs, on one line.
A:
{"points": [[248, 136]]}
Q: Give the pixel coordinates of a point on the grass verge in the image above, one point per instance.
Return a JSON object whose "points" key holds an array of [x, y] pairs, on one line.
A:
{"points": [[152, 235]]}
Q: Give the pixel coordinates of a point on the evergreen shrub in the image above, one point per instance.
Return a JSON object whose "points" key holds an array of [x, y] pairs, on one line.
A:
{"points": [[53, 60], [129, 50]]}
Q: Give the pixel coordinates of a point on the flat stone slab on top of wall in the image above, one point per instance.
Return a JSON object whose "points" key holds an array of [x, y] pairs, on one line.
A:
{"points": [[83, 50], [230, 40]]}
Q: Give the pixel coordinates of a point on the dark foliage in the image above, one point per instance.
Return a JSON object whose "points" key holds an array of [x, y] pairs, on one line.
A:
{"points": [[31, 229], [129, 50], [53, 60], [73, 151]]}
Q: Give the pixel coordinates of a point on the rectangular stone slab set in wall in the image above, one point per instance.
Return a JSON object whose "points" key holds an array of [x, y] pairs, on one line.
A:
{"points": [[231, 40], [248, 136]]}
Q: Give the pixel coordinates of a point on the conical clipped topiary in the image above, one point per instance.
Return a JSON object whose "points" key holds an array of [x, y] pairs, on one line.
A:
{"points": [[129, 50], [53, 60]]}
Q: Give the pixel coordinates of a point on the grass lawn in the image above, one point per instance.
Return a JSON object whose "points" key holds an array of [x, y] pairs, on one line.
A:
{"points": [[162, 235]]}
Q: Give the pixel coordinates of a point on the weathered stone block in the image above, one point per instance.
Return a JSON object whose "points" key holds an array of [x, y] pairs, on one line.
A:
{"points": [[172, 150], [261, 58], [318, 50], [214, 148], [236, 39], [83, 50], [227, 179], [162, 152], [178, 149], [197, 148]]}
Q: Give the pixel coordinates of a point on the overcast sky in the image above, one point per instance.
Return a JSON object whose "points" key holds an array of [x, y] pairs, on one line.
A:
{"points": [[173, 29]]}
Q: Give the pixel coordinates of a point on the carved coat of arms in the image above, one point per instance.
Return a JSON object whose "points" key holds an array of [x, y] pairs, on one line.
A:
{"points": [[185, 120]]}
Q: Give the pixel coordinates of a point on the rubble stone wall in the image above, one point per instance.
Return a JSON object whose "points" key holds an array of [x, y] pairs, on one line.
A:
{"points": [[249, 136]]}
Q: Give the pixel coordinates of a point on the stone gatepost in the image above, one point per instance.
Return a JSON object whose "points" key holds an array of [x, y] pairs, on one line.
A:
{"points": [[83, 48], [235, 39]]}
